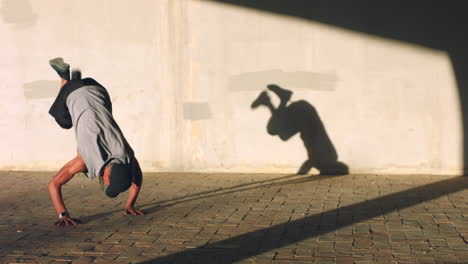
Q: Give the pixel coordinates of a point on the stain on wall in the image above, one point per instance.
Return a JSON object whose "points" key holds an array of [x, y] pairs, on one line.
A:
{"points": [[18, 12], [196, 111], [297, 80], [41, 89]]}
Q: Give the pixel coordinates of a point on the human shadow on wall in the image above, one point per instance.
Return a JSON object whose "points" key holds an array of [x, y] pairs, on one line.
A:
{"points": [[425, 23], [290, 118]]}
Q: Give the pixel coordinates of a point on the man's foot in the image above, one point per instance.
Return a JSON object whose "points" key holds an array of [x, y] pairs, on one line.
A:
{"points": [[62, 68], [283, 94], [262, 99]]}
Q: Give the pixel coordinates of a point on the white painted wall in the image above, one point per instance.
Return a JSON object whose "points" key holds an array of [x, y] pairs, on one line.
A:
{"points": [[183, 73]]}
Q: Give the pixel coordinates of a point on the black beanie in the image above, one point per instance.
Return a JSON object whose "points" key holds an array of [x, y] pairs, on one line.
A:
{"points": [[120, 180]]}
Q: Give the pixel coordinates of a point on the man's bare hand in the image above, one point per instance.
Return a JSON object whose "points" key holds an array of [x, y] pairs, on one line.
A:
{"points": [[67, 221], [132, 211]]}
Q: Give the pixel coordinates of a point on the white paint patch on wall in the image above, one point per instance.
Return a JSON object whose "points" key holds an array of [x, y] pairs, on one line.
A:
{"points": [[182, 75], [196, 111], [18, 13], [41, 89]]}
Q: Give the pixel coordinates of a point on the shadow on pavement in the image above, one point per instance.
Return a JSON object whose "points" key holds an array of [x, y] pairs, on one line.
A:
{"points": [[157, 206], [277, 236]]}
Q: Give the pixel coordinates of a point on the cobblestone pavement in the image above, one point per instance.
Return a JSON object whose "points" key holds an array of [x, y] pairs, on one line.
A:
{"points": [[240, 218]]}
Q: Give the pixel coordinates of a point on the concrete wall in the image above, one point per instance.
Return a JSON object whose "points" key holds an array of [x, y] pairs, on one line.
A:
{"points": [[182, 75]]}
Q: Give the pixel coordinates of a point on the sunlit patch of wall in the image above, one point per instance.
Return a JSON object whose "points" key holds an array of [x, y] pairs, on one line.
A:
{"points": [[112, 41], [182, 75], [384, 103]]}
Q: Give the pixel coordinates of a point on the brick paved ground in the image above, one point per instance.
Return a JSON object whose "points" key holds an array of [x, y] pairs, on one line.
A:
{"points": [[241, 218]]}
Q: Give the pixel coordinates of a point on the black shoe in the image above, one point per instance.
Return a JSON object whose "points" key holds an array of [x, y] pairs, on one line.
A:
{"points": [[62, 68], [283, 94], [262, 99]]}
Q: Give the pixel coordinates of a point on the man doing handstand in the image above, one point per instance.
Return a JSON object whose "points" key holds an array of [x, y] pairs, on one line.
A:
{"points": [[103, 150]]}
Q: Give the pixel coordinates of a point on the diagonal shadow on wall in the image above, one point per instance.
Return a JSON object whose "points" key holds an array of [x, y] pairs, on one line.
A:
{"points": [[277, 236], [437, 26]]}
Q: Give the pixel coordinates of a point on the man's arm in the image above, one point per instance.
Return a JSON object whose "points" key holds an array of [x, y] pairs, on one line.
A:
{"points": [[67, 172], [137, 181]]}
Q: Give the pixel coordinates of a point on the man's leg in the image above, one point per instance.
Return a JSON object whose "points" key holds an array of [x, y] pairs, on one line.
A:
{"points": [[67, 172]]}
